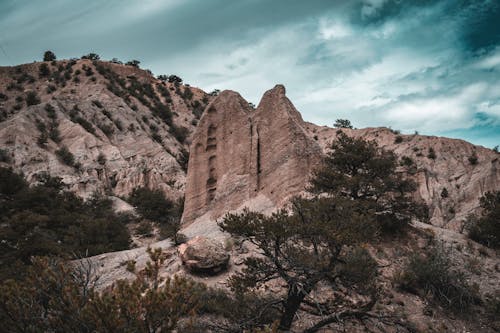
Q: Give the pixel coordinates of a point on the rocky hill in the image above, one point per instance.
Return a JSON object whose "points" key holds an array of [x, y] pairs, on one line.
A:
{"points": [[260, 158], [110, 127], [122, 127]]}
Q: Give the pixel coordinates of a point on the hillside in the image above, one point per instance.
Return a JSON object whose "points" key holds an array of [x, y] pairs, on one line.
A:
{"points": [[110, 128], [124, 127]]}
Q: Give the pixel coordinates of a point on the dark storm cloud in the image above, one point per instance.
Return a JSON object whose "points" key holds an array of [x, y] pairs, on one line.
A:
{"points": [[423, 65]]}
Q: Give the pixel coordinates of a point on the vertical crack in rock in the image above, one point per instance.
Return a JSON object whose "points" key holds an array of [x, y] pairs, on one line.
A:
{"points": [[248, 153]]}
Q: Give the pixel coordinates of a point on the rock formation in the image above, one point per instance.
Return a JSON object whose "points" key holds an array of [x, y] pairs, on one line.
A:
{"points": [[238, 153], [203, 255], [102, 109]]}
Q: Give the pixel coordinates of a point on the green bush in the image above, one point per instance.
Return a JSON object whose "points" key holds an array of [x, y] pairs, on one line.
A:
{"points": [[342, 123], [45, 220], [32, 98], [49, 56], [65, 156], [434, 276], [44, 70], [4, 156], [431, 154], [486, 228]]}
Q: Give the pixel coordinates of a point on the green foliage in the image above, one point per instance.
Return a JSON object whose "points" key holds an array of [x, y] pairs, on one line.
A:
{"points": [[44, 70], [49, 56], [473, 159], [187, 94], [59, 297], [183, 159], [302, 248], [65, 156], [342, 123], [4, 156], [154, 206], [91, 56], [431, 154], [398, 139], [486, 228], [174, 79], [145, 229], [32, 98], [360, 171], [179, 132], [101, 159], [45, 220], [134, 63], [434, 275]]}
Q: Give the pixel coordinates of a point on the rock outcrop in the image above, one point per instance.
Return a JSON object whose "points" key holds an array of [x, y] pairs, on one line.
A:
{"points": [[238, 153], [203, 255], [124, 127]]}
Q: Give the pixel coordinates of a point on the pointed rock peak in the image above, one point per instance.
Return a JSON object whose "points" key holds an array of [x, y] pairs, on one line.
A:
{"points": [[275, 101], [226, 102]]}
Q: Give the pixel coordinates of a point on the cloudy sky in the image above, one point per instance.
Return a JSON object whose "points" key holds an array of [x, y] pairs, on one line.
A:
{"points": [[414, 65]]}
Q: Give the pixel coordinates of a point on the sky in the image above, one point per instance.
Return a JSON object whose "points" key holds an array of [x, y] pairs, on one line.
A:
{"points": [[421, 65]]}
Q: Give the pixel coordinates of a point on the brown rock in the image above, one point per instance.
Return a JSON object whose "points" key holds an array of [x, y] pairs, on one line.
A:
{"points": [[238, 153], [203, 255]]}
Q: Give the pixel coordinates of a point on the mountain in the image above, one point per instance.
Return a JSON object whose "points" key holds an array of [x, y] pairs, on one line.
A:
{"points": [[260, 158], [109, 127], [123, 127]]}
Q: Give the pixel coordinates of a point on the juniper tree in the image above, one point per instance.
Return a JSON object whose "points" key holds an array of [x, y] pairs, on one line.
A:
{"points": [[318, 239]]}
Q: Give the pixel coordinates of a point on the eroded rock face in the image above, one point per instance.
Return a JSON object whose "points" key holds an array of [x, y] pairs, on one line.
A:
{"points": [[238, 153], [137, 147], [203, 255]]}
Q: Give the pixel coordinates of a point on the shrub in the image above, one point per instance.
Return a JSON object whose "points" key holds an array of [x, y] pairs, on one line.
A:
{"points": [[342, 123], [486, 228], [431, 154], [101, 159], [49, 56], [174, 79], [473, 159], [444, 193], [91, 56], [134, 63], [85, 124], [406, 161], [4, 156], [45, 220], [65, 156], [97, 103], [32, 98], [44, 70], [51, 88], [398, 139], [188, 93], [54, 133], [144, 229], [179, 132], [434, 276], [183, 159]]}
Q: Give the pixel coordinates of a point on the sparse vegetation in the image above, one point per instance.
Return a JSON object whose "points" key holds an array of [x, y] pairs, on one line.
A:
{"points": [[154, 206], [32, 98], [46, 220], [398, 139], [342, 123], [65, 156], [49, 56], [433, 276], [444, 193], [101, 159], [473, 159], [486, 228], [431, 154]]}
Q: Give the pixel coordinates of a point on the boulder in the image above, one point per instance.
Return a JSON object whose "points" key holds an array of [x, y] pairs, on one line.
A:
{"points": [[203, 255]]}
